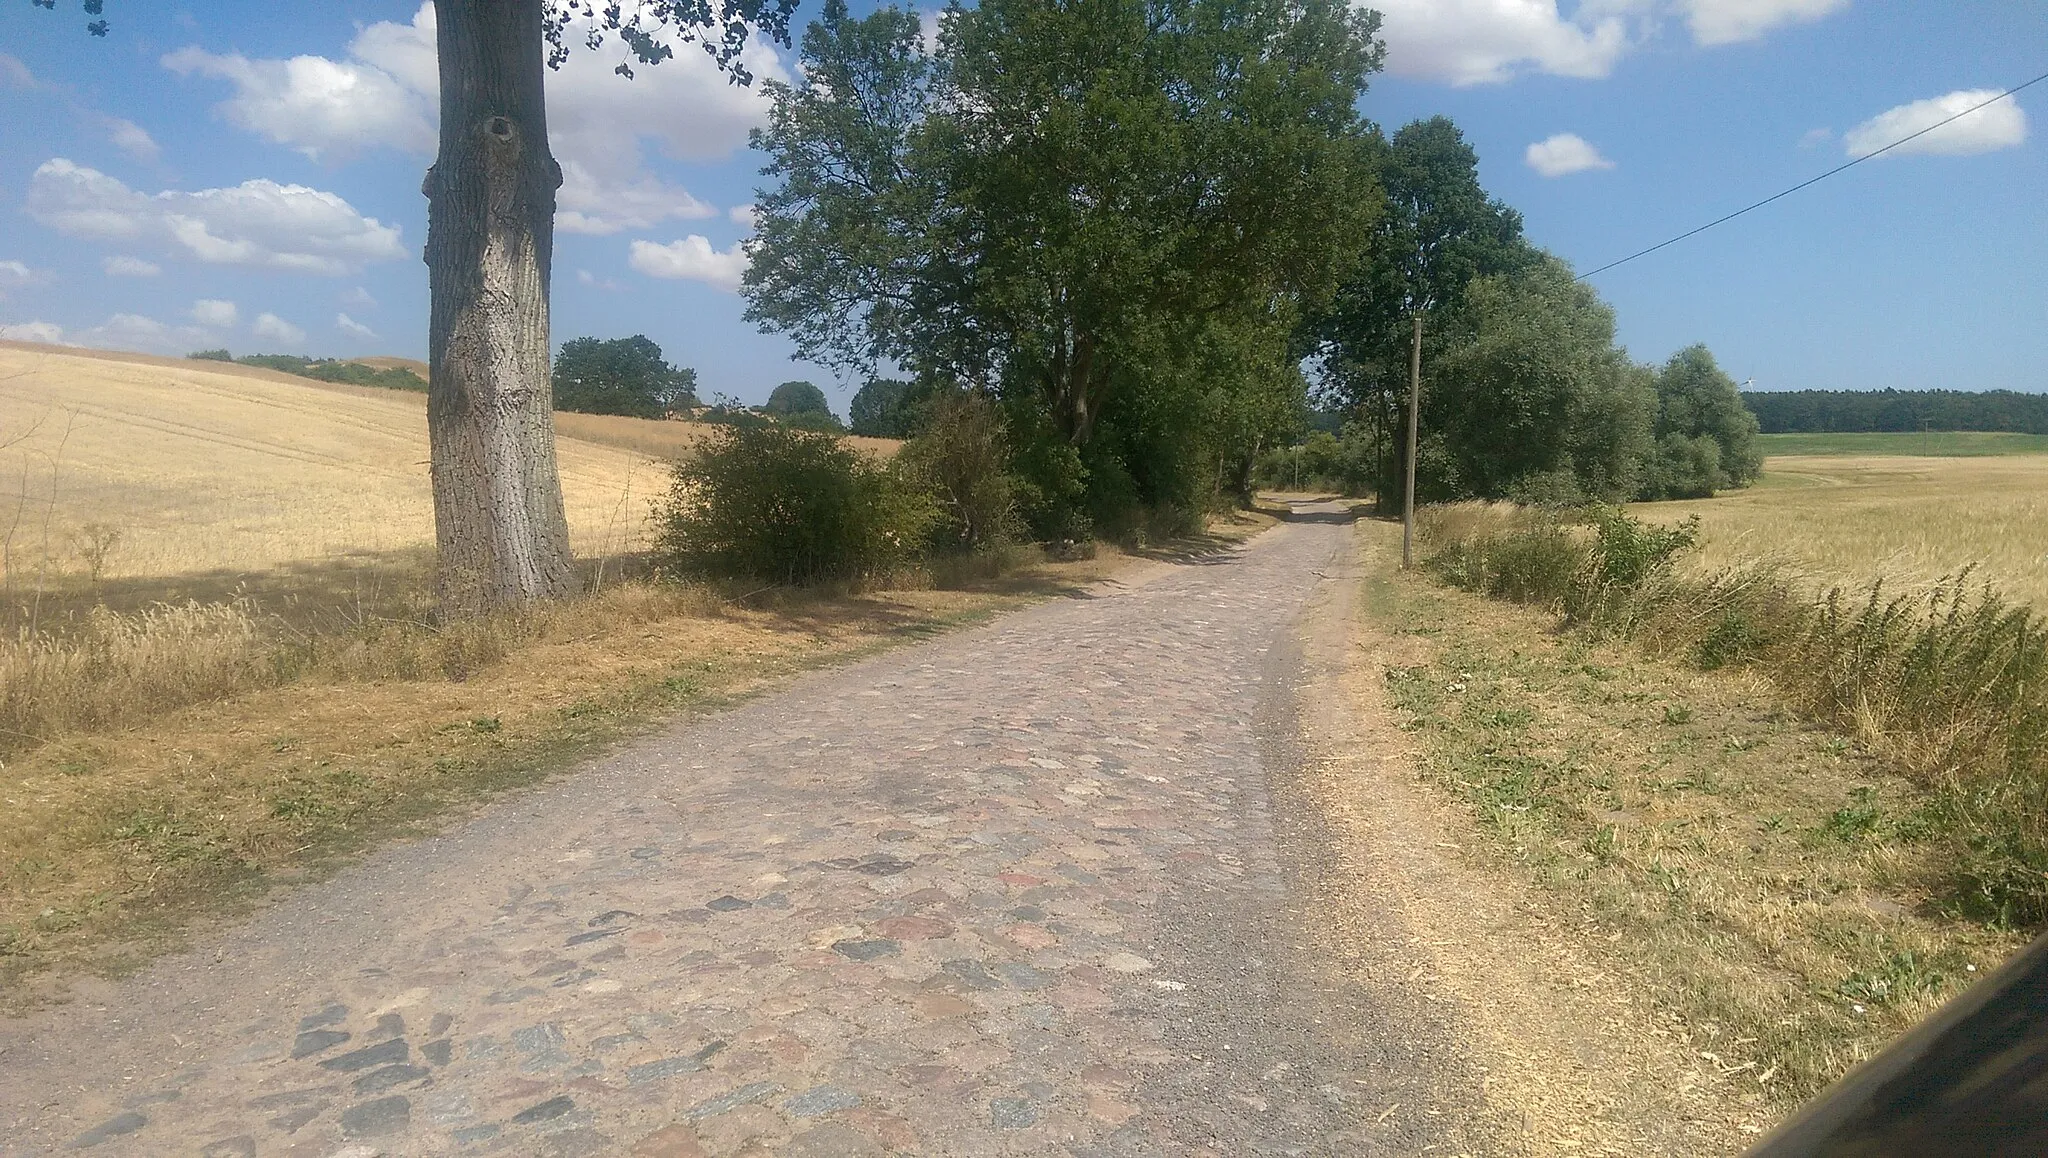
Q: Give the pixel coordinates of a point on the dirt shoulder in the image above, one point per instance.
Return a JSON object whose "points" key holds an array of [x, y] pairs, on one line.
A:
{"points": [[1648, 892]]}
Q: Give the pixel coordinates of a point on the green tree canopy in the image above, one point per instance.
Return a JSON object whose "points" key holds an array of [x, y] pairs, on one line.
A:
{"points": [[620, 376], [1100, 212], [1440, 231], [1532, 399], [1706, 437], [887, 408], [797, 397]]}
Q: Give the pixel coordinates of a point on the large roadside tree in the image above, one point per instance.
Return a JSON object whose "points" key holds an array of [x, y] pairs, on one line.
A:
{"points": [[498, 518], [1099, 211], [1532, 399], [1440, 232]]}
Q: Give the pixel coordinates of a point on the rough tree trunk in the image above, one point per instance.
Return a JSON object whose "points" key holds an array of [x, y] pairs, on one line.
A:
{"points": [[498, 517]]}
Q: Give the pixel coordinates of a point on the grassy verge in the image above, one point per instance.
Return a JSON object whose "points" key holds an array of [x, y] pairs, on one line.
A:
{"points": [[119, 832], [1763, 881]]}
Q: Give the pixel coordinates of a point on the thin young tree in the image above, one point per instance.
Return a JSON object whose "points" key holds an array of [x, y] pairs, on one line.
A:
{"points": [[498, 520]]}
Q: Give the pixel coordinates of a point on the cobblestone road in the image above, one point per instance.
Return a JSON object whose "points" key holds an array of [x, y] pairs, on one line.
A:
{"points": [[1017, 890]]}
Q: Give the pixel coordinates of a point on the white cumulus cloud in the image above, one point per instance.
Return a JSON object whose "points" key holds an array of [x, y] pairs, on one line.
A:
{"points": [[258, 223], [322, 108], [49, 333], [1467, 42], [587, 203], [1729, 21], [214, 312], [1564, 153], [136, 332], [121, 265], [385, 93], [1470, 42], [353, 328], [745, 215], [271, 326], [14, 275], [692, 259], [132, 139], [2000, 125]]}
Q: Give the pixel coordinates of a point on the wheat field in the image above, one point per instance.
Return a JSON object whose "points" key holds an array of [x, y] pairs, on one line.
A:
{"points": [[167, 467], [1907, 520]]}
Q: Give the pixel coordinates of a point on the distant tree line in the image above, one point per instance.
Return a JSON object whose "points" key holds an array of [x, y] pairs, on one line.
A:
{"points": [[1865, 411], [323, 369]]}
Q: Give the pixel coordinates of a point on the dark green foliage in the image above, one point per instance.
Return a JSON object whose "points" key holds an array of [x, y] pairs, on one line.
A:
{"points": [[888, 408], [211, 356], [1628, 552], [620, 376], [1109, 215], [336, 370], [794, 398], [728, 412], [1532, 398], [92, 8], [962, 457], [789, 506], [1865, 411], [1345, 462], [1706, 439], [1439, 233]]}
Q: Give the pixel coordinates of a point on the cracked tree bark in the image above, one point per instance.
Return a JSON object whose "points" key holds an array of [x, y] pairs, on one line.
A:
{"points": [[498, 519]]}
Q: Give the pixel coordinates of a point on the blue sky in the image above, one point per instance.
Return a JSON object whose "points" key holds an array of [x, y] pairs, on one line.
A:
{"points": [[247, 174]]}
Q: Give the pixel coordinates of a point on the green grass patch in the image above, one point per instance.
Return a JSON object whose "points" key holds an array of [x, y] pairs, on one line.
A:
{"points": [[1934, 444]]}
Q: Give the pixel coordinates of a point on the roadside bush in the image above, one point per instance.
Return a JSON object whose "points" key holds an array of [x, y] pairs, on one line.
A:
{"points": [[1597, 566], [963, 459], [789, 506]]}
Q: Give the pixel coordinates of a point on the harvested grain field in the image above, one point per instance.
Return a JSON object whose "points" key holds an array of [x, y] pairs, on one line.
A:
{"points": [[129, 465], [1908, 520]]}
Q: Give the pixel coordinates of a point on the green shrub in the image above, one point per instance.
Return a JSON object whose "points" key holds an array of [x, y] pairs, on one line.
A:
{"points": [[963, 459], [789, 506], [1548, 558]]}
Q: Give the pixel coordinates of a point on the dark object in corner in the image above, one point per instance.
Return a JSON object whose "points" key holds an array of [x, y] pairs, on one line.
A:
{"points": [[1970, 1080]]}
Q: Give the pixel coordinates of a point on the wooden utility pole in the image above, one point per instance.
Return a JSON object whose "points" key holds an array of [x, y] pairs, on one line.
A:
{"points": [[1414, 417]]}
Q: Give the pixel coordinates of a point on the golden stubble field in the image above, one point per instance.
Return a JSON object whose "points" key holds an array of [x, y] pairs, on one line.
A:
{"points": [[191, 469], [1908, 521], [185, 467]]}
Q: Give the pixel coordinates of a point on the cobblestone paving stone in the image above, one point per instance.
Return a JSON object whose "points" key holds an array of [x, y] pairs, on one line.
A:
{"points": [[1015, 890]]}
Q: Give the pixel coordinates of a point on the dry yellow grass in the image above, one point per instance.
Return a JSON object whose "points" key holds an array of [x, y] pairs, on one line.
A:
{"points": [[200, 469], [1906, 520], [207, 466], [1763, 884], [668, 440]]}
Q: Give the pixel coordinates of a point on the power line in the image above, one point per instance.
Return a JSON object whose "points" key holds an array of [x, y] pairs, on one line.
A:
{"points": [[1813, 180]]}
